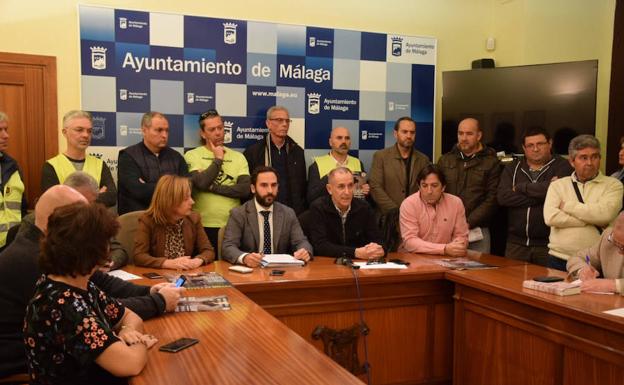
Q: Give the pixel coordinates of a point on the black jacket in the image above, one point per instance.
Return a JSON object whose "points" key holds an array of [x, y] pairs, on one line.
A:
{"points": [[524, 199], [475, 181], [328, 236], [18, 274], [138, 162], [256, 155]]}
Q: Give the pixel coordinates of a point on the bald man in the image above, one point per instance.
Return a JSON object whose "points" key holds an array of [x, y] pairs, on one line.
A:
{"points": [[340, 143], [472, 172], [19, 272], [606, 259]]}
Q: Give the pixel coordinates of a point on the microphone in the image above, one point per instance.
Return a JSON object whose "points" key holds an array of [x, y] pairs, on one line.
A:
{"points": [[346, 261]]}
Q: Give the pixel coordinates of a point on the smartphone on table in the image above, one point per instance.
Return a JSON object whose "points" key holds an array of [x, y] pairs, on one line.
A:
{"points": [[177, 345]]}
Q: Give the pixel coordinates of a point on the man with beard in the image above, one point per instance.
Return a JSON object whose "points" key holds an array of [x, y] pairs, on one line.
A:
{"points": [[394, 170], [522, 190], [263, 225], [340, 143], [472, 172], [77, 130]]}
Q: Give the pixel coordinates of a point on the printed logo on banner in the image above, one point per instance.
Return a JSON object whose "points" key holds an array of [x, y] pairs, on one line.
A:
{"points": [[312, 41], [123, 130], [364, 135], [390, 106], [397, 46], [190, 97], [123, 94], [227, 131], [314, 103], [99, 126], [229, 33], [98, 58], [123, 23]]}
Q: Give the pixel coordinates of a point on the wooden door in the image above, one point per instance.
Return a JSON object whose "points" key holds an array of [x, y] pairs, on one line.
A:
{"points": [[28, 96]]}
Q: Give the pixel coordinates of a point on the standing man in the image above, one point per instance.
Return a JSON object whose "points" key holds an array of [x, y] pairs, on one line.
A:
{"points": [[142, 164], [432, 221], [13, 199], [345, 227], [279, 151], [77, 129], [578, 207], [472, 171], [263, 226], [220, 176], [522, 190], [340, 143], [394, 170]]}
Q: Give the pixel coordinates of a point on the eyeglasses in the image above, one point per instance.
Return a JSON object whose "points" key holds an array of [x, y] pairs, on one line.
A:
{"points": [[208, 114], [281, 120], [535, 145], [615, 243]]}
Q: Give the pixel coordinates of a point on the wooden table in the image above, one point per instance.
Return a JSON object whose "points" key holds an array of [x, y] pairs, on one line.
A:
{"points": [[409, 313], [505, 334], [244, 345]]}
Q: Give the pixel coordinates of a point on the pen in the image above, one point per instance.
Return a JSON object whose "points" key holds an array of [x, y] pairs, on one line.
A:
{"points": [[587, 259]]}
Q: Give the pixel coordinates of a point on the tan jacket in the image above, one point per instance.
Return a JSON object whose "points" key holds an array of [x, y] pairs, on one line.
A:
{"points": [[387, 177], [604, 257], [149, 241]]}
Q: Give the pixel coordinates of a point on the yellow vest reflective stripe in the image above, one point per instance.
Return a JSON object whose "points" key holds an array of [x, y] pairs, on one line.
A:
{"points": [[326, 163], [11, 205], [63, 167]]}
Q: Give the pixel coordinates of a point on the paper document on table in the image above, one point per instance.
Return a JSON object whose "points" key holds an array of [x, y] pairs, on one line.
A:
{"points": [[279, 260], [617, 312], [123, 275], [385, 266]]}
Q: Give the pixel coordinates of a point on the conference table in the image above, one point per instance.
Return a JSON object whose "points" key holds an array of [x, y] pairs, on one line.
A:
{"points": [[425, 324]]}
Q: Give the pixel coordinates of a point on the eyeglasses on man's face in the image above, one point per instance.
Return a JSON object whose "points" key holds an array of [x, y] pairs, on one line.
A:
{"points": [[281, 120], [208, 114]]}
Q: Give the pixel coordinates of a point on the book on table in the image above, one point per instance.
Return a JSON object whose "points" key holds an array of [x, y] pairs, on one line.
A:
{"points": [[201, 280], [558, 288], [280, 260], [213, 303], [463, 264]]}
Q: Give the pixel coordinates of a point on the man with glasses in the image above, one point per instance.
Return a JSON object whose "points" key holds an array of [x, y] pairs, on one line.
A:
{"points": [[280, 151], [522, 189], [77, 130], [142, 164], [580, 206], [604, 259], [220, 175]]}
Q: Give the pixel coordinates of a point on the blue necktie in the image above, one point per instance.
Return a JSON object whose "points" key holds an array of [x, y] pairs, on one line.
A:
{"points": [[266, 249]]}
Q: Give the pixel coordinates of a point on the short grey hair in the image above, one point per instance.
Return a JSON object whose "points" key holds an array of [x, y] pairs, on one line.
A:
{"points": [[338, 170], [271, 110], [580, 142], [146, 120], [81, 180], [4, 117], [73, 114]]}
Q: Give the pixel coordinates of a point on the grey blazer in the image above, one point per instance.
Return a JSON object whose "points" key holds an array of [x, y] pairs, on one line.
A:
{"points": [[242, 233]]}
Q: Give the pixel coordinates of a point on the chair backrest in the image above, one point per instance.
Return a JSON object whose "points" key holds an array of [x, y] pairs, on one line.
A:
{"points": [[129, 222]]}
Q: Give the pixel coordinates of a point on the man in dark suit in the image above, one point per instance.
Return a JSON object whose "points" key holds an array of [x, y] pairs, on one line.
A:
{"points": [[263, 226]]}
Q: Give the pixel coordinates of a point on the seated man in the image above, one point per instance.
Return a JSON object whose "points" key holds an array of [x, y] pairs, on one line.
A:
{"points": [[345, 227], [19, 272], [263, 226], [432, 221], [606, 259]]}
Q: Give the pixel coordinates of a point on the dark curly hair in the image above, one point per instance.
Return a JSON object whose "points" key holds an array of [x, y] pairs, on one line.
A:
{"points": [[77, 239]]}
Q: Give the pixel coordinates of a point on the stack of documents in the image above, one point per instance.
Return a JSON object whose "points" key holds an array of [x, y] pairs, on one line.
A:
{"points": [[280, 260]]}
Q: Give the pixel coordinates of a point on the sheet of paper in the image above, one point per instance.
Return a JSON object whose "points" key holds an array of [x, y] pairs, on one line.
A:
{"points": [[618, 312], [123, 275], [279, 258], [387, 265]]}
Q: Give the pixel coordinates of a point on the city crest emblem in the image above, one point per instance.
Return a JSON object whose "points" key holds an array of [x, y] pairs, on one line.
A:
{"points": [[314, 103], [123, 23], [98, 58], [227, 132], [99, 125], [397, 46], [229, 33]]}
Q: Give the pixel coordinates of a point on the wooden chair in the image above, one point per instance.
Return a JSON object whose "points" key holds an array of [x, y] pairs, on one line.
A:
{"points": [[15, 379], [220, 242], [129, 222]]}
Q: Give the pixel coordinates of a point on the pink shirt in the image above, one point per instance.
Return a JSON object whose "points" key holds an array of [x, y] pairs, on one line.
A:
{"points": [[427, 229]]}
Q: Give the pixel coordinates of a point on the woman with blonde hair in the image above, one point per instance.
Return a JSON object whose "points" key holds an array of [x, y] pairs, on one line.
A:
{"points": [[170, 235]]}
